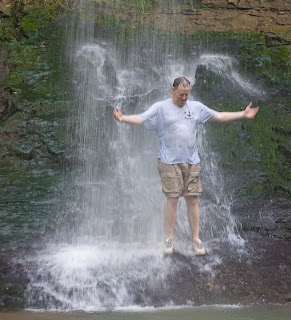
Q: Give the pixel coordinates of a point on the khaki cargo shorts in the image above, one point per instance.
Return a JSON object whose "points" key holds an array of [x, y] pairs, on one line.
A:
{"points": [[181, 179]]}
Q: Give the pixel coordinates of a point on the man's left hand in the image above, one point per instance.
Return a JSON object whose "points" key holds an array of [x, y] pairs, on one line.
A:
{"points": [[250, 112]]}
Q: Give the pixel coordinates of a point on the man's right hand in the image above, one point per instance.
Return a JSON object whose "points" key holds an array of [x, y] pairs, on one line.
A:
{"points": [[133, 119], [117, 115]]}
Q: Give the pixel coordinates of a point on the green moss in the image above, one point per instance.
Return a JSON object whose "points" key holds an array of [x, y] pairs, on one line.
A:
{"points": [[6, 30], [254, 189], [33, 58], [277, 37], [15, 77], [5, 163], [35, 19], [280, 62], [273, 63], [227, 36], [227, 138], [260, 146], [141, 6], [107, 21], [35, 79]]}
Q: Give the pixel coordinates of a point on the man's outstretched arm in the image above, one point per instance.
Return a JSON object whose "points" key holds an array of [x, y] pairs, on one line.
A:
{"points": [[130, 119], [248, 113]]}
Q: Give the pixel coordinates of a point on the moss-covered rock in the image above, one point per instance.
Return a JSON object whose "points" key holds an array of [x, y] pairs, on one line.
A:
{"points": [[32, 125]]}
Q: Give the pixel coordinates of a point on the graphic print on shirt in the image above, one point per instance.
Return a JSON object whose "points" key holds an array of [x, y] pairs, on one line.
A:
{"points": [[188, 114]]}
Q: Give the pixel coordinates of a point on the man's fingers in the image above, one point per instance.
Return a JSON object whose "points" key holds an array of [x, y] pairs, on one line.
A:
{"points": [[117, 114], [249, 105], [254, 111], [251, 112]]}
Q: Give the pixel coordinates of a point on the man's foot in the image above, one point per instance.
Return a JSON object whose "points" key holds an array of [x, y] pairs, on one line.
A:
{"points": [[169, 246], [198, 248]]}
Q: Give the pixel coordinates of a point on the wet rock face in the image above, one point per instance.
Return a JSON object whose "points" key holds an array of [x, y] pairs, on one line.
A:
{"points": [[270, 218], [263, 276], [12, 285], [7, 106]]}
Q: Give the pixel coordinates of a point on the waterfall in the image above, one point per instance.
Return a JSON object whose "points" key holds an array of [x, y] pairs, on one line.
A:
{"points": [[108, 250], [227, 68]]}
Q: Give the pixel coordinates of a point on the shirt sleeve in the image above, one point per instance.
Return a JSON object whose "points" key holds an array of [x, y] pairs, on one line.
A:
{"points": [[205, 113], [150, 117]]}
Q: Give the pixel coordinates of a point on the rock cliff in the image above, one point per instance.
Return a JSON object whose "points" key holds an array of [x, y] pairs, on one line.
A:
{"points": [[272, 18]]}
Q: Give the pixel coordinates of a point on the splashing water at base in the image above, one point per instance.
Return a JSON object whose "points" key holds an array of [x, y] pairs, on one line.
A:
{"points": [[104, 276], [96, 277]]}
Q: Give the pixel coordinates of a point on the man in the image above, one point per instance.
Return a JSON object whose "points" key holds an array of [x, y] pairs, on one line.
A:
{"points": [[175, 121]]}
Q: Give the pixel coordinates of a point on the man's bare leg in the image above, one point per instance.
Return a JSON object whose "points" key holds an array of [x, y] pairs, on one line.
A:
{"points": [[193, 216], [194, 219], [171, 215]]}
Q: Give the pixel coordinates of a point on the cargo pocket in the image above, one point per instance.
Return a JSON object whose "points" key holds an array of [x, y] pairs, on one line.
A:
{"points": [[194, 182], [169, 182]]}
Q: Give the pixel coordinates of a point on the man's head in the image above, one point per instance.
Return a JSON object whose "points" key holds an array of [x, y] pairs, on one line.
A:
{"points": [[181, 90]]}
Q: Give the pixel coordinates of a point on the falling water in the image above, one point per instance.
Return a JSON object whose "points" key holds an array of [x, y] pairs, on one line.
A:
{"points": [[108, 248], [226, 68]]}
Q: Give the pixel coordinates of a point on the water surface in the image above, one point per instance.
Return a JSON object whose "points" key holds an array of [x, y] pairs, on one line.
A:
{"points": [[280, 312]]}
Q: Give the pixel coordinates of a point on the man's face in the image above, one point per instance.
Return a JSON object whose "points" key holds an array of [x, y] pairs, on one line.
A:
{"points": [[180, 95]]}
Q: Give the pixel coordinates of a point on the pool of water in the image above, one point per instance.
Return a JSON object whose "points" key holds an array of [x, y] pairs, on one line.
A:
{"points": [[236, 312]]}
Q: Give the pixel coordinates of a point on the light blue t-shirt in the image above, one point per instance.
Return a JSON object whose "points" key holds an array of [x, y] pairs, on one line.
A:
{"points": [[176, 128]]}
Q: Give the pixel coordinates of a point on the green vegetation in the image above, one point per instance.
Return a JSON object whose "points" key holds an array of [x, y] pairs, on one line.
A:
{"points": [[6, 30], [271, 62], [33, 135], [140, 6], [259, 147]]}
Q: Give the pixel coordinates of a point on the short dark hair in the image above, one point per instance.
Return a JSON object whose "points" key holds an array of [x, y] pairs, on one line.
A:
{"points": [[181, 81]]}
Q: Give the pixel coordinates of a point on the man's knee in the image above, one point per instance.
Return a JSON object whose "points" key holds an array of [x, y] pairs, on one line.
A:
{"points": [[191, 201], [173, 201]]}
